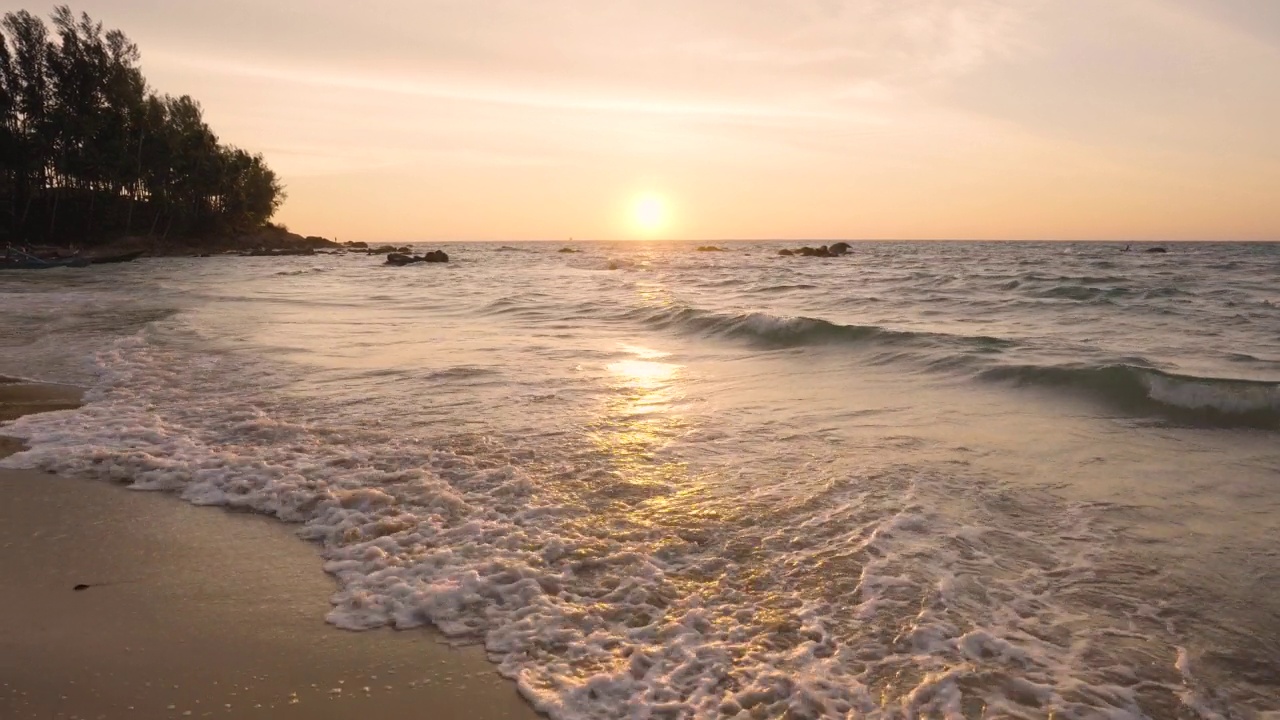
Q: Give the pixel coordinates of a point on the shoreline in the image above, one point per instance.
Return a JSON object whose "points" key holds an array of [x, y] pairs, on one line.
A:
{"points": [[193, 612]]}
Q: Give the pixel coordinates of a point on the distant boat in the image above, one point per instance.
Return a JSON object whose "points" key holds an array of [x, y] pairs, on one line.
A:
{"points": [[38, 264], [17, 259]]}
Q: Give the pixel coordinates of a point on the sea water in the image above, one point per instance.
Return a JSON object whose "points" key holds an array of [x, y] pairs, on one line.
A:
{"points": [[923, 480]]}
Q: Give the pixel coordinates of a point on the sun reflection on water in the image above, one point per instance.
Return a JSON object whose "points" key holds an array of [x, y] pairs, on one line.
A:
{"points": [[644, 373], [636, 424]]}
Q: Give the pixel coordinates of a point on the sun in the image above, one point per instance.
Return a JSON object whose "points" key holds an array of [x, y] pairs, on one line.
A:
{"points": [[649, 213]]}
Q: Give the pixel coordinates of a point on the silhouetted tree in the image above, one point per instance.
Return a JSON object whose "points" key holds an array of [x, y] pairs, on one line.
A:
{"points": [[88, 151]]}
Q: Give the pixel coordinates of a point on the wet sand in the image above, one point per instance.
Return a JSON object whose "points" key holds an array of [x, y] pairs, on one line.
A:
{"points": [[193, 612]]}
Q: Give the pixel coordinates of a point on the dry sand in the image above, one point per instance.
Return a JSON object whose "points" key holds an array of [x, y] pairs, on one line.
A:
{"points": [[194, 612]]}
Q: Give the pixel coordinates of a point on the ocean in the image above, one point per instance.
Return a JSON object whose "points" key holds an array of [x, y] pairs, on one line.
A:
{"points": [[928, 479]]}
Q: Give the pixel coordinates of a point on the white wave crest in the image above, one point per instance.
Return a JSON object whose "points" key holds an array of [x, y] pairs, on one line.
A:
{"points": [[1236, 398], [872, 602]]}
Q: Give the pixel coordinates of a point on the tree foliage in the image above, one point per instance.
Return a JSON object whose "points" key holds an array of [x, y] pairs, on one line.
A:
{"points": [[89, 151]]}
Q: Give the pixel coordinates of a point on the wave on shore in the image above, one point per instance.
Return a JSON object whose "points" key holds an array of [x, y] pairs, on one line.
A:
{"points": [[1189, 399]]}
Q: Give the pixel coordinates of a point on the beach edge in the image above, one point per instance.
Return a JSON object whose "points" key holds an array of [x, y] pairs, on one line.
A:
{"points": [[116, 602]]}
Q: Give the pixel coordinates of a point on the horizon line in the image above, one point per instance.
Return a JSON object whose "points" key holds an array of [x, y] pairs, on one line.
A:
{"points": [[827, 241]]}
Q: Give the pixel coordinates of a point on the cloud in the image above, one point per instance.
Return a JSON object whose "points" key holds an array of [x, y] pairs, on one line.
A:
{"points": [[714, 57], [1119, 108]]}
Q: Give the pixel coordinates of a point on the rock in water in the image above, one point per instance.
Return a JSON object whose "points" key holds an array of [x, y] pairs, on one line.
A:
{"points": [[814, 252], [835, 250], [434, 256]]}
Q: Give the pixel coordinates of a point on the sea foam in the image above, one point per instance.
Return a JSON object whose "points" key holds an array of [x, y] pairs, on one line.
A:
{"points": [[868, 602]]}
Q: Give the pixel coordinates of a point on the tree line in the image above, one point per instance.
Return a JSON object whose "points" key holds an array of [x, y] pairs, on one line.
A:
{"points": [[88, 151]]}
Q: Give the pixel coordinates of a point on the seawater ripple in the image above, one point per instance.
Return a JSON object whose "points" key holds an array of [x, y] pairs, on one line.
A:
{"points": [[919, 481], [603, 612]]}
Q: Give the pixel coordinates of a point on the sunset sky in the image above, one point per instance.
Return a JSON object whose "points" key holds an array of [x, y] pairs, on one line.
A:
{"points": [[550, 119]]}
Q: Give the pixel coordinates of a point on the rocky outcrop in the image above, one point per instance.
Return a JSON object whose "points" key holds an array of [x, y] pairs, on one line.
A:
{"points": [[400, 259], [387, 249], [710, 248], [568, 250], [1156, 250], [825, 251], [267, 241], [282, 252]]}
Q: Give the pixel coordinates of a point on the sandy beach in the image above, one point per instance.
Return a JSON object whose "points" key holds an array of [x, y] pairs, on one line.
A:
{"points": [[193, 612]]}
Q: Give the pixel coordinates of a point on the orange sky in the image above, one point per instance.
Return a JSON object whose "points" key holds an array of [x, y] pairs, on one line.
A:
{"points": [[547, 119]]}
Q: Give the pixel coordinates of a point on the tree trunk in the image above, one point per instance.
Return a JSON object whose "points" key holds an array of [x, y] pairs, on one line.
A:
{"points": [[53, 216], [88, 229], [128, 221]]}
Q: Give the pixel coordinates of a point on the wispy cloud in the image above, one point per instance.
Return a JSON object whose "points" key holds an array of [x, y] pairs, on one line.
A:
{"points": [[769, 113], [482, 90]]}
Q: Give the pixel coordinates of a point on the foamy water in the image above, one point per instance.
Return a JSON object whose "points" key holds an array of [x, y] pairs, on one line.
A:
{"points": [[928, 479]]}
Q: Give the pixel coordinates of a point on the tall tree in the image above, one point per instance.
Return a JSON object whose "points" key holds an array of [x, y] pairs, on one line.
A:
{"points": [[9, 156], [28, 86], [87, 148]]}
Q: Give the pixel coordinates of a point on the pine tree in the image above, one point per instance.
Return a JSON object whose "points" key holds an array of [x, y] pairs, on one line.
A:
{"points": [[87, 151]]}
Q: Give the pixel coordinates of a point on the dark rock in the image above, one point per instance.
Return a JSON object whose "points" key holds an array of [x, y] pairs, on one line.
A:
{"points": [[401, 259], [568, 250], [710, 248], [356, 244], [271, 242], [81, 586], [435, 256], [279, 252], [1156, 250], [822, 252], [233, 243]]}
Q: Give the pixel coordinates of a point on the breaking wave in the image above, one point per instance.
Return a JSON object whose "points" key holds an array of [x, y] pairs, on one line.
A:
{"points": [[781, 331], [1185, 398], [868, 597], [1197, 401]]}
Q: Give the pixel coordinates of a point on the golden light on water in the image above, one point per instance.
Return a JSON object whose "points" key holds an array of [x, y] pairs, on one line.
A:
{"points": [[646, 374], [637, 421]]}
